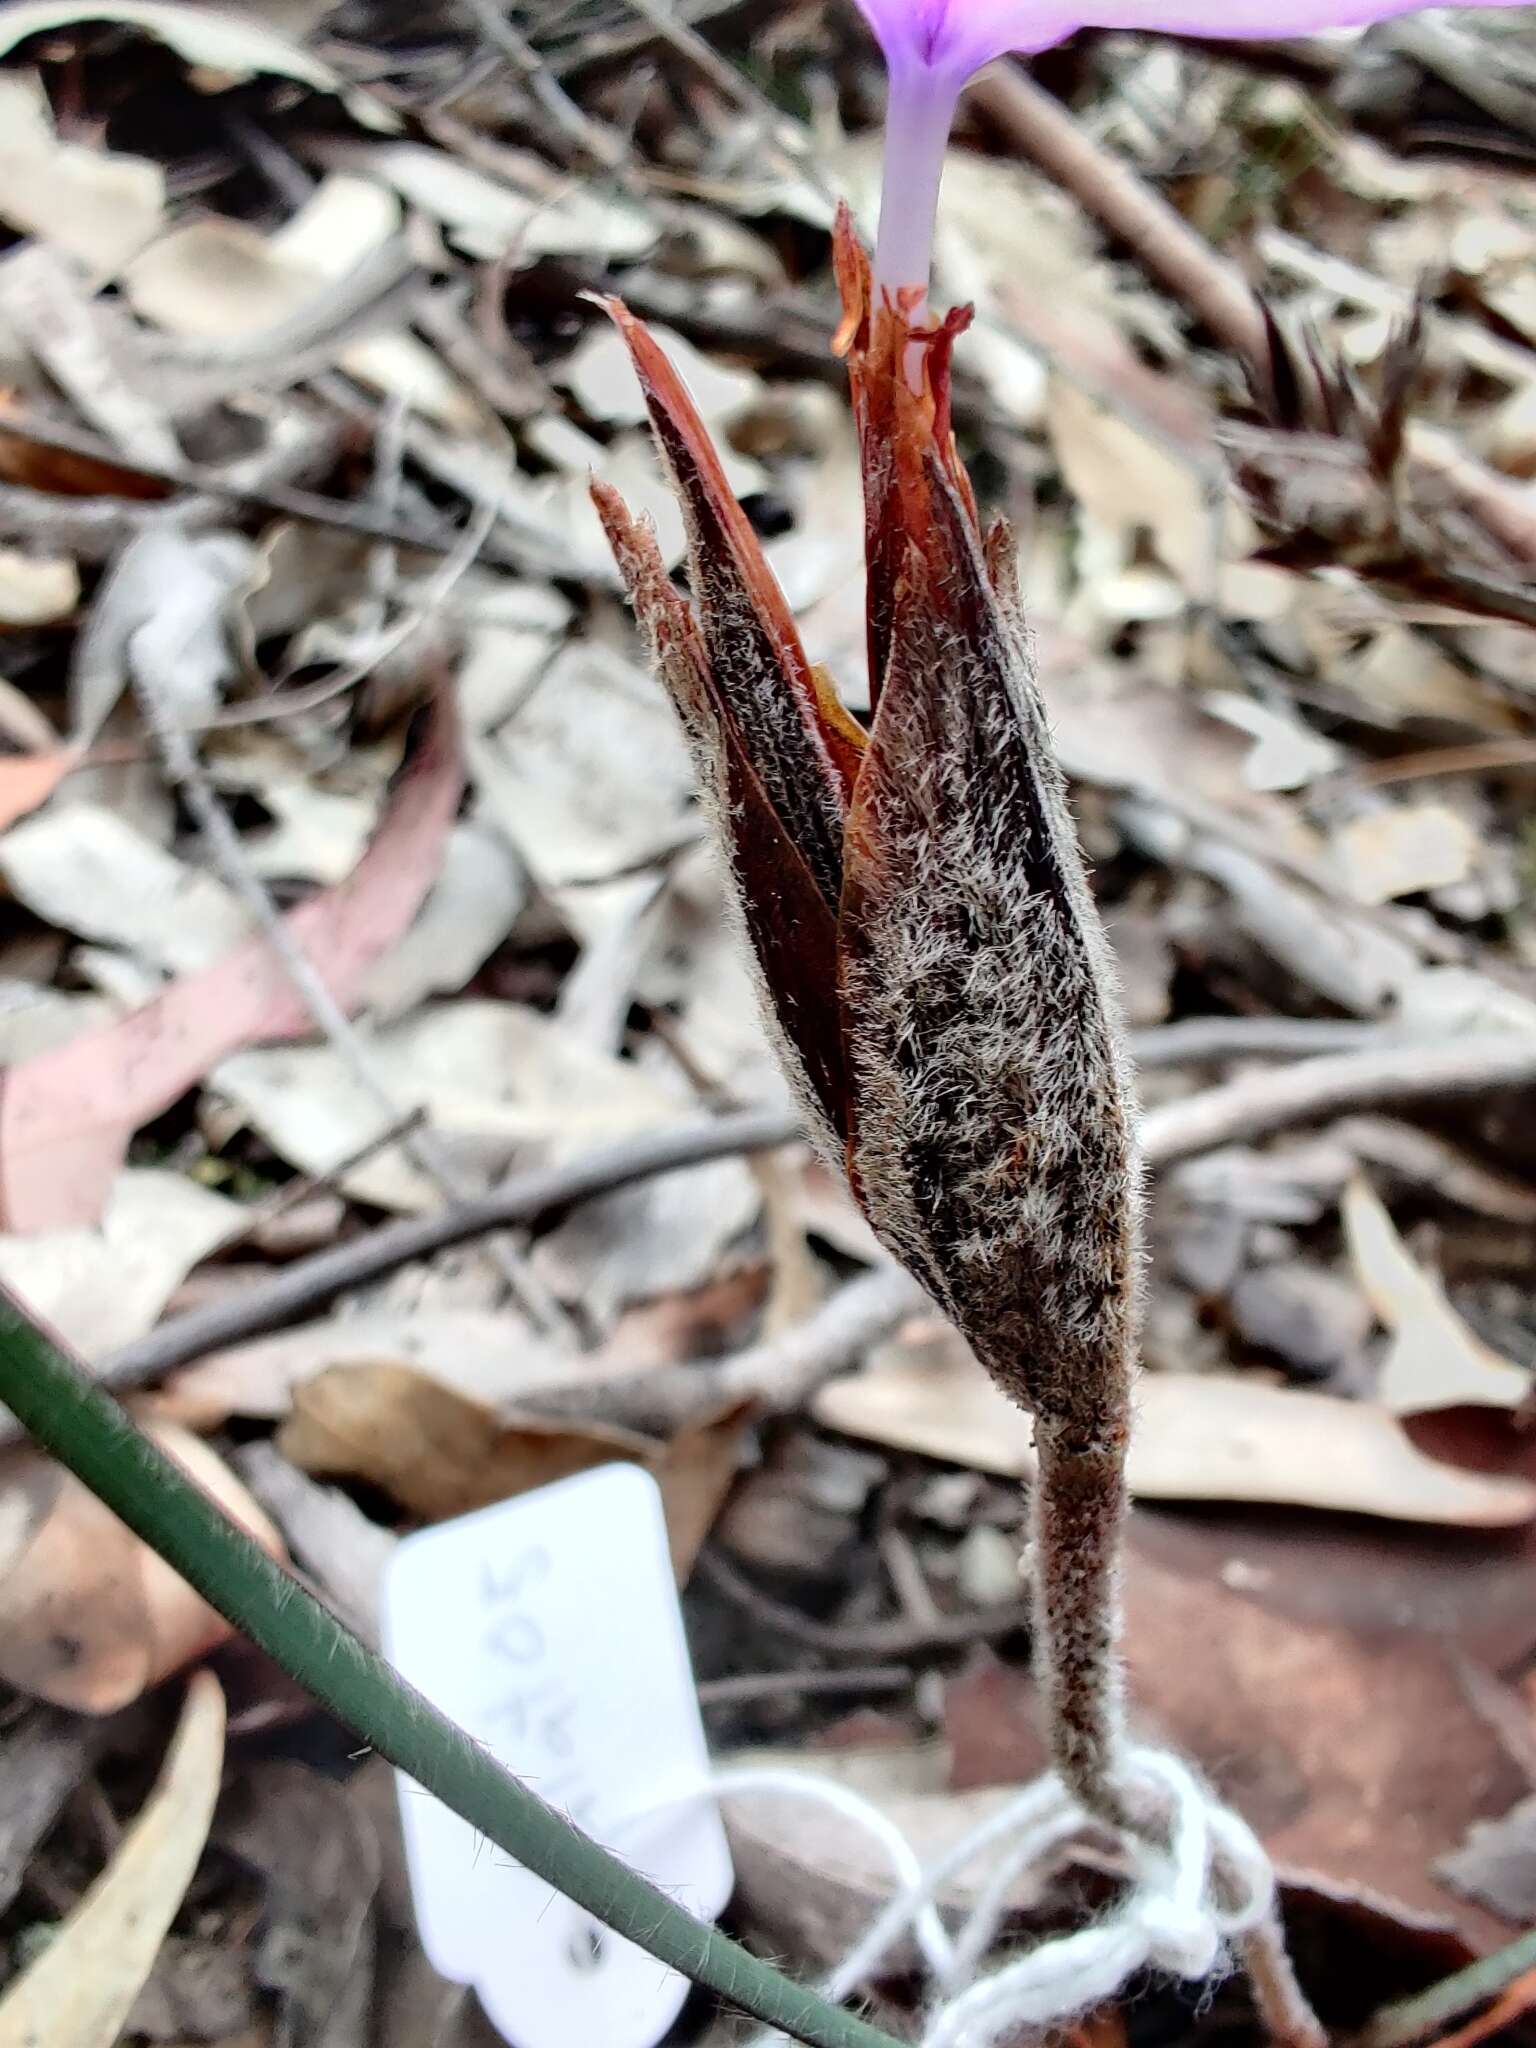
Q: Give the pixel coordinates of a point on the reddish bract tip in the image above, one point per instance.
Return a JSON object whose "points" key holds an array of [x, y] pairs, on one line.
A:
{"points": [[901, 420]]}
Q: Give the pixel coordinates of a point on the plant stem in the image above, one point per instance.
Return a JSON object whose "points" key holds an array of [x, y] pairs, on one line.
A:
{"points": [[86, 1430], [1078, 1509], [1284, 2010]]}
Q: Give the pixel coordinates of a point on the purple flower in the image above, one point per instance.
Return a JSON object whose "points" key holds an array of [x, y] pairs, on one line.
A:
{"points": [[933, 46]]}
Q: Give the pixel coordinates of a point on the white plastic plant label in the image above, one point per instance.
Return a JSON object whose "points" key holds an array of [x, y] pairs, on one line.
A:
{"points": [[548, 1628]]}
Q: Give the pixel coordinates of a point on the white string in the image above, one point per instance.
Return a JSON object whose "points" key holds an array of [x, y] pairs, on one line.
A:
{"points": [[1188, 1896]]}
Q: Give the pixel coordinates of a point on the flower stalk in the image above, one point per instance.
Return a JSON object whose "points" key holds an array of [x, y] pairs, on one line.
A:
{"points": [[929, 954], [931, 963]]}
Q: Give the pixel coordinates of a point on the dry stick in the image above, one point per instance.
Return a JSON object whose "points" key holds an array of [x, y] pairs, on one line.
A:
{"points": [[1268, 1101], [1241, 1109], [388, 641], [1195, 1041], [744, 1686], [784, 134], [595, 137], [897, 1638], [1214, 288], [312, 1283], [782, 1373], [311, 507], [778, 1375], [304, 1187], [1127, 206]]}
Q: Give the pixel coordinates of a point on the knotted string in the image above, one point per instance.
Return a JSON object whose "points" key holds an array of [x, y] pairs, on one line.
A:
{"points": [[1191, 1890]]}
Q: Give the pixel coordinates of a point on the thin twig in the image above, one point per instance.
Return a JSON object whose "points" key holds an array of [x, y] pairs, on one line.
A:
{"points": [[598, 140], [1243, 1109], [745, 1686], [783, 135], [892, 1639], [1161, 238], [285, 499], [440, 586], [310, 1284], [304, 1186], [1197, 1041], [1214, 288], [777, 1376], [1278, 1097]]}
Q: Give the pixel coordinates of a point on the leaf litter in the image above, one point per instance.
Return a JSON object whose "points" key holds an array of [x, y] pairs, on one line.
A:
{"points": [[301, 394]]}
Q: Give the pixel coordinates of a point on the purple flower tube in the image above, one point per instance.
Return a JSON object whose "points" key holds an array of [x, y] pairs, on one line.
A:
{"points": [[932, 47]]}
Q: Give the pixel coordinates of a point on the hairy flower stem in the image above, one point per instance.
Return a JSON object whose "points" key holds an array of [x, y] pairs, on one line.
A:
{"points": [[1078, 1514], [1284, 2010], [1077, 1528]]}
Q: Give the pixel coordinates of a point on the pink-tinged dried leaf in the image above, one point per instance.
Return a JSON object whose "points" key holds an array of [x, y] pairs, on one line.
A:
{"points": [[991, 1146], [27, 780], [90, 1617], [803, 747], [66, 1116], [785, 912]]}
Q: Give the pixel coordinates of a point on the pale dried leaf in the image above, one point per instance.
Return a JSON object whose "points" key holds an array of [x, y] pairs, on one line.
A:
{"points": [[492, 1358], [1403, 850], [1126, 480], [66, 1116], [1434, 1360], [80, 867], [1197, 1437], [94, 205], [90, 1617], [440, 1454], [83, 1985], [560, 779], [499, 1082], [660, 1238], [223, 281], [83, 345], [1286, 753], [1496, 1865], [562, 506], [232, 46], [489, 218], [103, 1286], [600, 376], [36, 590], [160, 618], [479, 893]]}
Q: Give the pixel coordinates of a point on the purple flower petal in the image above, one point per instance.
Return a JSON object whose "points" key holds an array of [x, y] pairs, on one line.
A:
{"points": [[956, 37]]}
